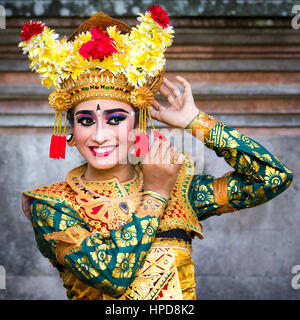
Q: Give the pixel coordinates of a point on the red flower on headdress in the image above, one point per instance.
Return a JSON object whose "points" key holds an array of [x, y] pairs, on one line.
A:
{"points": [[159, 15], [99, 47], [31, 29]]}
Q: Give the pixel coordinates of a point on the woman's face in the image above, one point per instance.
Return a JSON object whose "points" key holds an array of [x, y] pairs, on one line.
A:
{"points": [[101, 130]]}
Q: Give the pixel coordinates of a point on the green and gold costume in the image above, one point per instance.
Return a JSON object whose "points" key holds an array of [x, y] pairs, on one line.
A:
{"points": [[121, 248]]}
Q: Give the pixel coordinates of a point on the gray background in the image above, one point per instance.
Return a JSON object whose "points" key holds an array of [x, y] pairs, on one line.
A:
{"points": [[245, 255]]}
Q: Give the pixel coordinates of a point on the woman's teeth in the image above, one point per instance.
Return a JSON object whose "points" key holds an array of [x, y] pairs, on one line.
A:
{"points": [[103, 149]]}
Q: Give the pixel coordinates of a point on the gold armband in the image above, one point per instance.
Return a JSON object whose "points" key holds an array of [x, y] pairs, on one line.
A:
{"points": [[202, 121], [221, 194], [67, 240]]}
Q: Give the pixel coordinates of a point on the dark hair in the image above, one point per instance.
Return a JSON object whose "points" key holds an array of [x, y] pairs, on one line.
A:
{"points": [[70, 116]]}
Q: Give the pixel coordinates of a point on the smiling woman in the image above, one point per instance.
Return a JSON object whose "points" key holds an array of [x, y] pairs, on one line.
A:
{"points": [[101, 134], [115, 230]]}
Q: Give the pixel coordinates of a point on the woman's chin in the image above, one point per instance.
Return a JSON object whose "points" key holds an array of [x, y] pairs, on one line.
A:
{"points": [[105, 163]]}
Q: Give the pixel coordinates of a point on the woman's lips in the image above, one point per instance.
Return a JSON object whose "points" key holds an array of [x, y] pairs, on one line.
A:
{"points": [[97, 151]]}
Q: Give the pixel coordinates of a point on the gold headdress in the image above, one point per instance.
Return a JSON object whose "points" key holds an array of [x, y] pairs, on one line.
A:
{"points": [[103, 59]]}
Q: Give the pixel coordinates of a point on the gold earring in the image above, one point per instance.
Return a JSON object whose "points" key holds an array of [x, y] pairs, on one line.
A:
{"points": [[71, 140]]}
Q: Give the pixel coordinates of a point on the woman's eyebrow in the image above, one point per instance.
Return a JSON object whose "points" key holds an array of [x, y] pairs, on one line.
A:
{"points": [[84, 112], [109, 111]]}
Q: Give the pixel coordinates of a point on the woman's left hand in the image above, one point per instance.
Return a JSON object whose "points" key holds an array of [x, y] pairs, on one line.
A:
{"points": [[182, 108]]}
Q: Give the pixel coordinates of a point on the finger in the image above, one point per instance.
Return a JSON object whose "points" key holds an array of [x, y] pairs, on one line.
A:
{"points": [[157, 152], [167, 152], [180, 159], [154, 113], [158, 106], [154, 147], [167, 94], [170, 157], [185, 83], [152, 152], [162, 150], [175, 90]]}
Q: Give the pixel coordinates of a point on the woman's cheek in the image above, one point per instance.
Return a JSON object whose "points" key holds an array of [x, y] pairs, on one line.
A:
{"points": [[81, 134], [126, 132]]}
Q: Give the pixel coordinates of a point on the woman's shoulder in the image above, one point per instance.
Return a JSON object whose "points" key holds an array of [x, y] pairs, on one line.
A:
{"points": [[53, 191], [58, 192]]}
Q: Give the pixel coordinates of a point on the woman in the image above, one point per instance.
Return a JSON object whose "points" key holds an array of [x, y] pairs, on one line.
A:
{"points": [[119, 231]]}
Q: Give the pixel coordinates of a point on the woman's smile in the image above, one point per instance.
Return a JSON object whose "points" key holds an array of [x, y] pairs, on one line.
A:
{"points": [[102, 151]]}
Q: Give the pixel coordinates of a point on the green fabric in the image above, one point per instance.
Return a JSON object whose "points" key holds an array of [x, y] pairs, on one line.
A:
{"points": [[108, 264], [258, 176]]}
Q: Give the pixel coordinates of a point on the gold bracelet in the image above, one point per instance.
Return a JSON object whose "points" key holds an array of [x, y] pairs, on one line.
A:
{"points": [[150, 206], [156, 195]]}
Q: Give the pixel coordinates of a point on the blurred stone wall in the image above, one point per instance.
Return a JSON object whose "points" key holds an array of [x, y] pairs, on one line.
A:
{"points": [[243, 61]]}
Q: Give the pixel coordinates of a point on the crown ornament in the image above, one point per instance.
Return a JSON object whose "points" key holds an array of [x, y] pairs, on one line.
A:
{"points": [[103, 59]]}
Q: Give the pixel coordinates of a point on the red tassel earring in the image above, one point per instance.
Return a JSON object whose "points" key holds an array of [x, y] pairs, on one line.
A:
{"points": [[60, 101], [142, 98]]}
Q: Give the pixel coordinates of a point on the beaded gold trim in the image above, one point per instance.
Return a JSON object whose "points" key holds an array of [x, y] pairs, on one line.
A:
{"points": [[180, 213], [96, 85]]}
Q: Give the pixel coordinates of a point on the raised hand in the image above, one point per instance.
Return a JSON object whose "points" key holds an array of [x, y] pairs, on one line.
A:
{"points": [[181, 109], [161, 166]]}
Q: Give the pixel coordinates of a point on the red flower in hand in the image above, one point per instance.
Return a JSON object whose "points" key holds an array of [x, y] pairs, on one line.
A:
{"points": [[99, 47], [31, 29], [159, 15]]}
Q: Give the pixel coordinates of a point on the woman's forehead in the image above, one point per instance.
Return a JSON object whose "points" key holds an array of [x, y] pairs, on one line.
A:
{"points": [[103, 105]]}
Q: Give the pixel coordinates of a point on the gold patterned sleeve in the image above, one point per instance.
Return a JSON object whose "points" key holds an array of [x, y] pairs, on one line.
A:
{"points": [[257, 175], [107, 262]]}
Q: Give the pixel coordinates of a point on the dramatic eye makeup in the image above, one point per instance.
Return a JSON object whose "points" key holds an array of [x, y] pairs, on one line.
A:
{"points": [[115, 116], [111, 116], [85, 117]]}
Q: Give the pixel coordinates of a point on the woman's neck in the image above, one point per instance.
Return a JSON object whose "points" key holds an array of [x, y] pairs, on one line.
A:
{"points": [[123, 172]]}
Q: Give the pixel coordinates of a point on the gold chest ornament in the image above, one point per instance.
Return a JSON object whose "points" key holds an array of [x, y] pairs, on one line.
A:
{"points": [[105, 205], [109, 205]]}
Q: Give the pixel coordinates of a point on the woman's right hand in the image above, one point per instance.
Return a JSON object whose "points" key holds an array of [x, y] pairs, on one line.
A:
{"points": [[160, 168]]}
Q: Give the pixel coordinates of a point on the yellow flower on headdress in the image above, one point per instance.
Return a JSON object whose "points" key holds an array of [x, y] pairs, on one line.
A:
{"points": [[135, 77], [83, 37], [137, 54]]}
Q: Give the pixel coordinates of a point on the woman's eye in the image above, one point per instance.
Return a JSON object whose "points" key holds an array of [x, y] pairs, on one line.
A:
{"points": [[115, 120], [86, 121]]}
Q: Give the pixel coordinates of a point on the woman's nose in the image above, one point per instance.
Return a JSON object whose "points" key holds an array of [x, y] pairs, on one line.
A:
{"points": [[101, 134]]}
